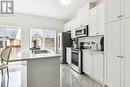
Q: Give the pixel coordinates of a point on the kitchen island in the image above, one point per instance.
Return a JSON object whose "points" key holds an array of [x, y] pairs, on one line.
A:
{"points": [[28, 55], [43, 70]]}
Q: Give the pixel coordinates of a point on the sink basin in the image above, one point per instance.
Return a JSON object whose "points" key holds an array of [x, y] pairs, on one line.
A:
{"points": [[41, 51]]}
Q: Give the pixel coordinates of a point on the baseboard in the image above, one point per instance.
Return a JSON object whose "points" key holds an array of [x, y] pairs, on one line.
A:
{"points": [[91, 77]]}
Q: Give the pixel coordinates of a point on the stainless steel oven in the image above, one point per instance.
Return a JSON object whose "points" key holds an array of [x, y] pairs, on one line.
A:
{"points": [[76, 60]]}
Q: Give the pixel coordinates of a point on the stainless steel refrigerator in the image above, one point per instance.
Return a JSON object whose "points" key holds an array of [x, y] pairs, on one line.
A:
{"points": [[64, 40]]}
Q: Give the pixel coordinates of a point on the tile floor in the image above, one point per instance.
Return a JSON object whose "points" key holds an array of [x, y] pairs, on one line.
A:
{"points": [[17, 75], [69, 78]]}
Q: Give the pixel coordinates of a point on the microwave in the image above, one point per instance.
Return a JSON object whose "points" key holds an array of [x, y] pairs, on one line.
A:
{"points": [[81, 31]]}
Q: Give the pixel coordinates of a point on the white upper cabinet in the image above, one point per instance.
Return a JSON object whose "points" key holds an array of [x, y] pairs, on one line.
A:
{"points": [[112, 10], [97, 20], [73, 27], [100, 19], [83, 16], [68, 26], [125, 8], [117, 9], [92, 27]]}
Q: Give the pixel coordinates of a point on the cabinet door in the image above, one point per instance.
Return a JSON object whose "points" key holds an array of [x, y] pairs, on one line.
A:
{"points": [[100, 19], [73, 33], [125, 52], [113, 10], [125, 8], [112, 51], [98, 66], [97, 20], [93, 23], [66, 27], [83, 15], [88, 61], [73, 27]]}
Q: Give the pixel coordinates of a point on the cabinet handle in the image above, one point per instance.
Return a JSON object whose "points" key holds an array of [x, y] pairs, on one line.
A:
{"points": [[118, 16], [121, 15], [120, 56]]}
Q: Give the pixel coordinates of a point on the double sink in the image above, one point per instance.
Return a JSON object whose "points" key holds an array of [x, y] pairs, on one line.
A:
{"points": [[39, 51]]}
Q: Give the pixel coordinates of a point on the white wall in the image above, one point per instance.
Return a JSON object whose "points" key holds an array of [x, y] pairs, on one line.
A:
{"points": [[26, 22]]}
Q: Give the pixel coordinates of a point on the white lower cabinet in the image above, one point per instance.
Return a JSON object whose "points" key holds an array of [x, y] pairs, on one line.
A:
{"points": [[98, 66], [87, 63], [118, 53], [125, 53], [112, 52], [93, 64], [68, 55]]}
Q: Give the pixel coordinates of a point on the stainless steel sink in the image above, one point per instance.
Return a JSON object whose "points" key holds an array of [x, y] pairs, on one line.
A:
{"points": [[41, 51]]}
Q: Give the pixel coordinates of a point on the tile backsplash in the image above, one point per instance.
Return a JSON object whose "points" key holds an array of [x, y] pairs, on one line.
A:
{"points": [[95, 39]]}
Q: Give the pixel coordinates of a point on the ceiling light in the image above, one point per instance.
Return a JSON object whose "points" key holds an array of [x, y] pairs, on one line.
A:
{"points": [[65, 2]]}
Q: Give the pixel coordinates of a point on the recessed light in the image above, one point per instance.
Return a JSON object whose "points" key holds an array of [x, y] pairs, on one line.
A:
{"points": [[65, 2]]}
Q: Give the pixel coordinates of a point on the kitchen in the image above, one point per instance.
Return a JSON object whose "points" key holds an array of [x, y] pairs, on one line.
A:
{"points": [[85, 51], [66, 43], [99, 34]]}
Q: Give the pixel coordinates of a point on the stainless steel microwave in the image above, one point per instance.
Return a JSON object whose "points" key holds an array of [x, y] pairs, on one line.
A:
{"points": [[82, 31]]}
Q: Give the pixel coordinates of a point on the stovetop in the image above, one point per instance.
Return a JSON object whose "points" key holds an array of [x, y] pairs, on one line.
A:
{"points": [[76, 49]]}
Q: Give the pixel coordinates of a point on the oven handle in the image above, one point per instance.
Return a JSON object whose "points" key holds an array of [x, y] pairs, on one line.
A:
{"points": [[75, 51]]}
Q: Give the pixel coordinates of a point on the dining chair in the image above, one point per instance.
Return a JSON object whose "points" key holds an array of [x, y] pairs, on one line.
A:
{"points": [[5, 55]]}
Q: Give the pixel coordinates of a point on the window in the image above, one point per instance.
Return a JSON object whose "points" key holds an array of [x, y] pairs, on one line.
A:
{"points": [[10, 37], [45, 39]]}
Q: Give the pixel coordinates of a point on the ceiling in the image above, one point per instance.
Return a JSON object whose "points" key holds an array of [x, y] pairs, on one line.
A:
{"points": [[49, 8]]}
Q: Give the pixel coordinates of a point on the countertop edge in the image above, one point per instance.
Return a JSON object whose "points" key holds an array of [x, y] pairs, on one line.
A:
{"points": [[27, 59], [94, 51]]}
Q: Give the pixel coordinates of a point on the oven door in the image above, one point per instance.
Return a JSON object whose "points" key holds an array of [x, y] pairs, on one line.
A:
{"points": [[76, 60]]}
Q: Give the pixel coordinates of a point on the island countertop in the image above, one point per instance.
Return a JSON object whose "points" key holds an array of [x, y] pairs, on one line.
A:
{"points": [[33, 70], [28, 55]]}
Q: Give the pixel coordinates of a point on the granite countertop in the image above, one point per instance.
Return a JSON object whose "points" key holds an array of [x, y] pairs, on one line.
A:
{"points": [[28, 55]]}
